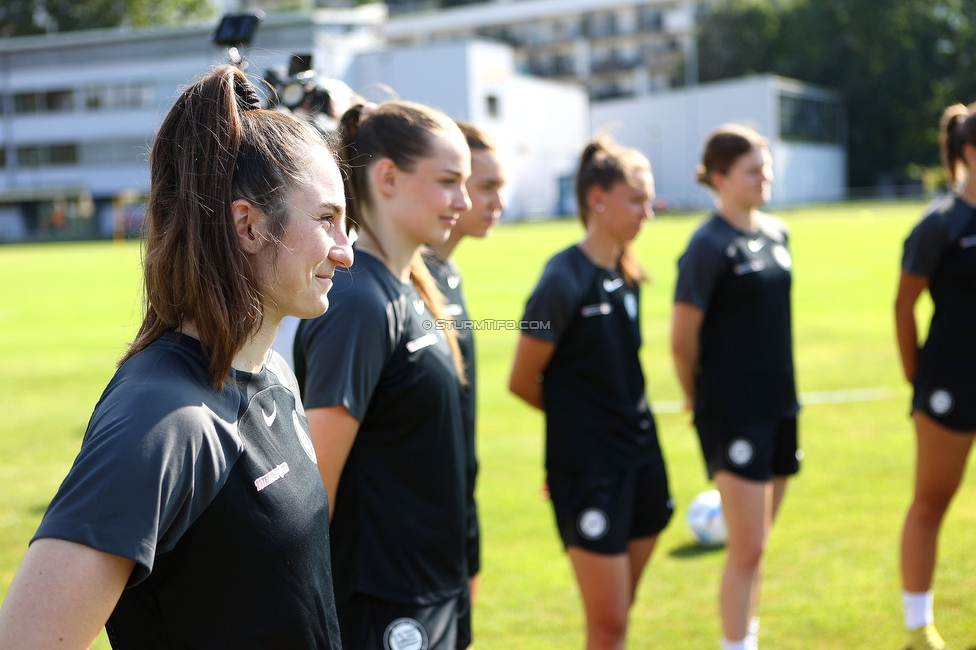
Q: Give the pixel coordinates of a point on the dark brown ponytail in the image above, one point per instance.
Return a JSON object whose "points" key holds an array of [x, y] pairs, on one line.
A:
{"points": [[400, 131], [603, 164], [215, 146], [957, 127]]}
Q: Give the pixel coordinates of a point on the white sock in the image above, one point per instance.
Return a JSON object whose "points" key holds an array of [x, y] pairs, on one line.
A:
{"points": [[734, 645], [918, 609], [752, 638]]}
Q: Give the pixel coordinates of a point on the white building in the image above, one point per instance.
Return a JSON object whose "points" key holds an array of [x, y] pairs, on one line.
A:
{"points": [[540, 126], [804, 124], [78, 110], [616, 48]]}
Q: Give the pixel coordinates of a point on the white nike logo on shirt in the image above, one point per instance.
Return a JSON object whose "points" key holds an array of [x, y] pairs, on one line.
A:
{"points": [[613, 285], [269, 419]]}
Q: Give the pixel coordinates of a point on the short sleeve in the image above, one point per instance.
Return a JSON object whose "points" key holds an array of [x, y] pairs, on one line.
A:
{"points": [[340, 356], [553, 302], [926, 245], [146, 470], [699, 270]]}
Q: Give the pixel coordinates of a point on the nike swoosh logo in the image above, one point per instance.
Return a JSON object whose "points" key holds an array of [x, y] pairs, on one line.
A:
{"points": [[269, 419], [755, 245], [613, 285]]}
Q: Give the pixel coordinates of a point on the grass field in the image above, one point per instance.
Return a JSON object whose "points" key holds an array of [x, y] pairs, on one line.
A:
{"points": [[67, 311]]}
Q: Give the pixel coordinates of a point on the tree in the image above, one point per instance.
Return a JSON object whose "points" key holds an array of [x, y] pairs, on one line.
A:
{"points": [[897, 63], [26, 17]]}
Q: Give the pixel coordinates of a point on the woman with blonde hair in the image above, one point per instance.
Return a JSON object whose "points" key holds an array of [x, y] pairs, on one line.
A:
{"points": [[381, 382]]}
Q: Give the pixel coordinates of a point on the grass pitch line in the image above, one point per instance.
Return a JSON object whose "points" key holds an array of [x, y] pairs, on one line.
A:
{"points": [[816, 397]]}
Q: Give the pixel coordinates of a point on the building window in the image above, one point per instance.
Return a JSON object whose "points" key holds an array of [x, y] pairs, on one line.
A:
{"points": [[113, 153], [28, 156], [3, 157], [809, 119], [52, 101], [491, 104], [63, 154], [651, 19], [32, 156], [119, 96]]}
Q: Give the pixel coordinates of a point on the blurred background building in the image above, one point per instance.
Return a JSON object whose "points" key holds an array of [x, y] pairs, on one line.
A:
{"points": [[78, 109]]}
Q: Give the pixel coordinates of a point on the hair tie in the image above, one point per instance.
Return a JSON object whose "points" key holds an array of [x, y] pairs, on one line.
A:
{"points": [[365, 110], [247, 97]]}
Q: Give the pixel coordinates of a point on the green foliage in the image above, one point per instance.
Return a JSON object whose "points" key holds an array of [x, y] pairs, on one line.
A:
{"points": [[26, 17], [898, 64], [831, 577]]}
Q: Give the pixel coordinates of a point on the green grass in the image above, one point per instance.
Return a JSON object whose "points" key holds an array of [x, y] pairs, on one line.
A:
{"points": [[831, 577]]}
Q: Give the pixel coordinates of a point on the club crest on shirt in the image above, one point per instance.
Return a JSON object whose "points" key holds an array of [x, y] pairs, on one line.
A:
{"points": [[405, 634], [741, 452], [453, 280], [630, 304], [418, 306], [303, 437], [941, 401], [593, 524], [782, 256]]}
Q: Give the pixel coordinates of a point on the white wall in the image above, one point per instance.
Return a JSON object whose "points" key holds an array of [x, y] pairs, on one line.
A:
{"points": [[670, 129], [541, 126]]}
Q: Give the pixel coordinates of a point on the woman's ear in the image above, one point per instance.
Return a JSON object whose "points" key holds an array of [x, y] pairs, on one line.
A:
{"points": [[385, 177], [596, 199], [716, 180], [249, 226], [968, 154]]}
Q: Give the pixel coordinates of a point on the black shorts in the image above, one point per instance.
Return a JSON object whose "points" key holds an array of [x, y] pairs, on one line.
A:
{"points": [[602, 511], [369, 623], [753, 451], [946, 392]]}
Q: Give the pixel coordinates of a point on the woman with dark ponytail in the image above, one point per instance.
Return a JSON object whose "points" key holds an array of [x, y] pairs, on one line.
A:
{"points": [[939, 255], [578, 361], [194, 515], [381, 379]]}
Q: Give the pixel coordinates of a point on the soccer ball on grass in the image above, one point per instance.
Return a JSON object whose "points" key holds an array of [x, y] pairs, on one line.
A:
{"points": [[705, 519]]}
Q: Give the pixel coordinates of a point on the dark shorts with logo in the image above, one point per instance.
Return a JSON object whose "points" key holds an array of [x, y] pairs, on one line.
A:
{"points": [[946, 392], [603, 511], [369, 623], [753, 451]]}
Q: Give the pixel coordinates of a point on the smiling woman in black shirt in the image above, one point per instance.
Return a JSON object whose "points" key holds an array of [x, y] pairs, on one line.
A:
{"points": [[194, 515]]}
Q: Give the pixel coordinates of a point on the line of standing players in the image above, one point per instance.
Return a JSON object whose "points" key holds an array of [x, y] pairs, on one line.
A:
{"points": [[193, 515]]}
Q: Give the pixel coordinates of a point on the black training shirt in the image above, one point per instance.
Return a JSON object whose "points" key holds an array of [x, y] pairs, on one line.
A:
{"points": [[942, 248], [216, 496], [448, 279], [597, 415], [398, 532], [742, 282]]}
